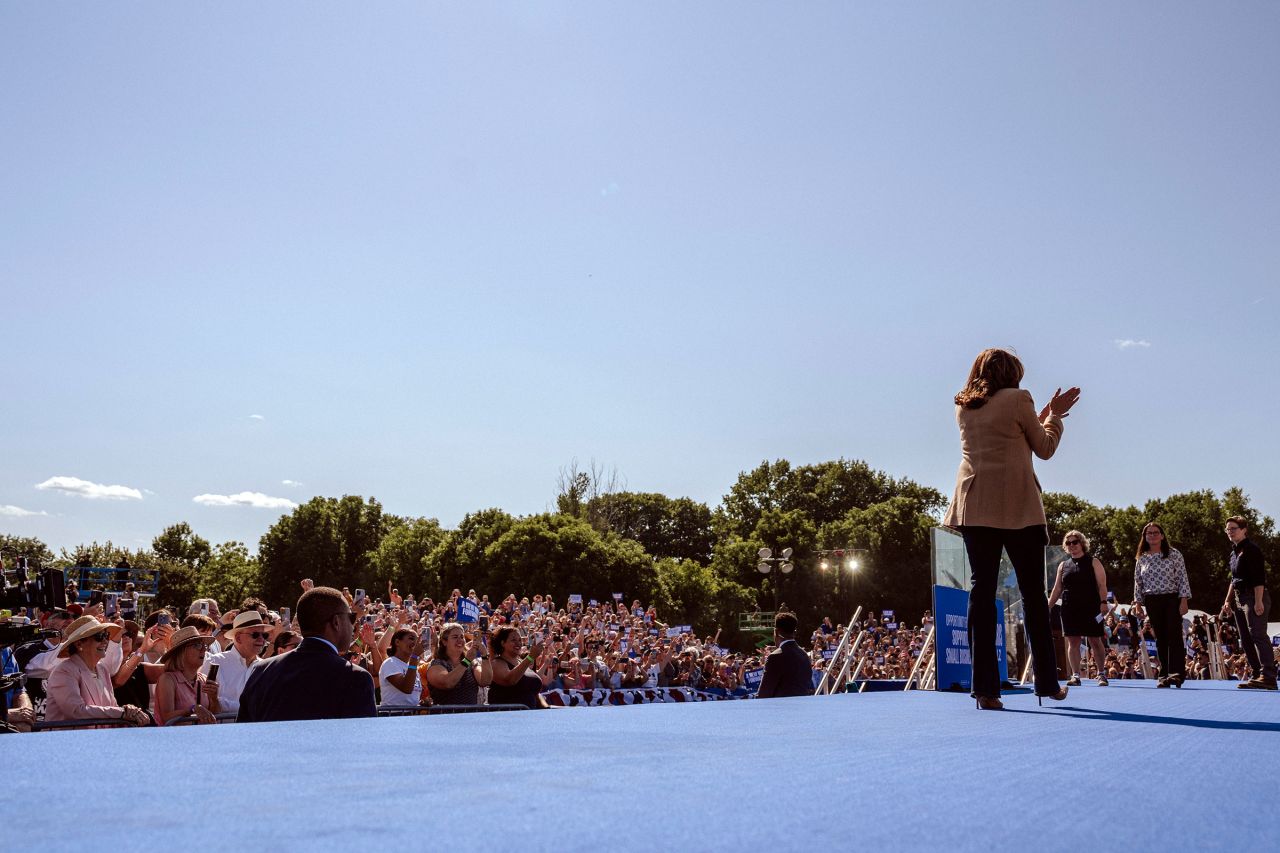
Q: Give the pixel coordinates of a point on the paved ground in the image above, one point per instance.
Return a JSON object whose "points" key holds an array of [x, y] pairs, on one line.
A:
{"points": [[1126, 766]]}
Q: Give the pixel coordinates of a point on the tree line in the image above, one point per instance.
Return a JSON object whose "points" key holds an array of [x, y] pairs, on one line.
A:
{"points": [[698, 564]]}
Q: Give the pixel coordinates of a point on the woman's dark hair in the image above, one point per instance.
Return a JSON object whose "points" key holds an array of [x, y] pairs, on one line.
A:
{"points": [[993, 370], [500, 638], [283, 639], [1164, 540], [399, 635]]}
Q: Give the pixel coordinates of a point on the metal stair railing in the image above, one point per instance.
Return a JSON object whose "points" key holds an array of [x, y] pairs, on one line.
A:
{"points": [[925, 660], [827, 683]]}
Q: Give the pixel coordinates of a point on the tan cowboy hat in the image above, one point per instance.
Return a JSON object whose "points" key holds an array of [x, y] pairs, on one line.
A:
{"points": [[184, 637], [246, 620], [86, 626]]}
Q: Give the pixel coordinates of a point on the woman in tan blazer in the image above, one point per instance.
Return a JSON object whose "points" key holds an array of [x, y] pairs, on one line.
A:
{"points": [[997, 507]]}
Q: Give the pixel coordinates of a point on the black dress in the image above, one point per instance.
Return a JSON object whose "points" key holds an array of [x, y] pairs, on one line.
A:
{"points": [[523, 692], [1080, 601]]}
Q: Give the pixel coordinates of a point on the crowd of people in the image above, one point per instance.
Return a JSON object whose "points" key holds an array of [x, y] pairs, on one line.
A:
{"points": [[462, 650], [401, 652]]}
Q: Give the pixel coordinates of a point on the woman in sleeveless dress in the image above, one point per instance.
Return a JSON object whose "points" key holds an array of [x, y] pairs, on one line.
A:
{"points": [[1081, 583]]}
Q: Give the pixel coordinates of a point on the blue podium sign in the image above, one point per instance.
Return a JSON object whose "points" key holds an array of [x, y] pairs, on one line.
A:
{"points": [[951, 638]]}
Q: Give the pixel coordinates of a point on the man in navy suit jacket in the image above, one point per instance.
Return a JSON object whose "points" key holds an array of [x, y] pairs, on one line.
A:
{"points": [[312, 682], [787, 671]]}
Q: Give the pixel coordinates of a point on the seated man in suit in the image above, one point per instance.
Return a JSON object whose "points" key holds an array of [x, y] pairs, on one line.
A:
{"points": [[312, 682], [787, 671]]}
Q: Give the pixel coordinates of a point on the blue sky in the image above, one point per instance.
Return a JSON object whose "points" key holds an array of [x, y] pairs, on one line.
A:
{"points": [[433, 252]]}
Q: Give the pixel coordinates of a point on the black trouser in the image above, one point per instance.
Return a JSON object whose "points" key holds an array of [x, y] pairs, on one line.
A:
{"points": [[1026, 552], [1166, 621], [1253, 634]]}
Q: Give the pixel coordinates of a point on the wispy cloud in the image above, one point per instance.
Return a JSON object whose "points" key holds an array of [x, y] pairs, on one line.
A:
{"points": [[257, 417], [86, 489], [11, 511], [290, 483], [253, 499], [1130, 343]]}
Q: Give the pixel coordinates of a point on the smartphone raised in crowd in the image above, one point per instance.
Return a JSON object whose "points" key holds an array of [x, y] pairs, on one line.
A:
{"points": [[164, 618], [112, 605], [285, 614], [213, 673]]}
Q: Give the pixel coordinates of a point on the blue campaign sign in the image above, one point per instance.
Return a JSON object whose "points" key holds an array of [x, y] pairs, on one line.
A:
{"points": [[468, 610], [951, 638], [1151, 647], [828, 654], [1275, 641], [751, 679]]}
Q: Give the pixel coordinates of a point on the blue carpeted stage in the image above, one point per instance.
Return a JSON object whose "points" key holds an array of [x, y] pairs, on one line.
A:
{"points": [[1127, 765]]}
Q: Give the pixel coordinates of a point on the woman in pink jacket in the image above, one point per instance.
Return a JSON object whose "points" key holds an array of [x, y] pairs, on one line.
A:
{"points": [[80, 687]]}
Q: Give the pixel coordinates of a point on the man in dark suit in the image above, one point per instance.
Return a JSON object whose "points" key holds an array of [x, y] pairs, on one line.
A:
{"points": [[787, 671], [312, 682]]}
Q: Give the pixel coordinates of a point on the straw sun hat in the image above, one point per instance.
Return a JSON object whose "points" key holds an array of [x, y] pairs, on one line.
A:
{"points": [[86, 626], [183, 638]]}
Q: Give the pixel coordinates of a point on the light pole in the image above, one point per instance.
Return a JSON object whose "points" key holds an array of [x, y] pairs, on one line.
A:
{"points": [[847, 559], [767, 562]]}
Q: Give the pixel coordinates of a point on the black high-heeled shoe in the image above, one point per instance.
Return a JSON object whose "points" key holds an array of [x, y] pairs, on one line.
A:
{"points": [[1162, 682], [989, 703], [1175, 681], [1057, 697]]}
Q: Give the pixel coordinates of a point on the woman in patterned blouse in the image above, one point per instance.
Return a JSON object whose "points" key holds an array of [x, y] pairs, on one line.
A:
{"points": [[1160, 585]]}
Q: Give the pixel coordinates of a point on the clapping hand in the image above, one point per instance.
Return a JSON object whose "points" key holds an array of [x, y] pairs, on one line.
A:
{"points": [[1061, 403]]}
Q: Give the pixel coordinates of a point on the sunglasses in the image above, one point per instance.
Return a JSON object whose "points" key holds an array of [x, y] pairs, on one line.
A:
{"points": [[1074, 542], [100, 637], [258, 635]]}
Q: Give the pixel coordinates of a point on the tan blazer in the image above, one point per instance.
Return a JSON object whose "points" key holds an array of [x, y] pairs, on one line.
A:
{"points": [[996, 485]]}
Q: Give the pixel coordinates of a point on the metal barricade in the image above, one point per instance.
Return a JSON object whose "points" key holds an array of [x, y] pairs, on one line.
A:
{"points": [[430, 710], [190, 719], [89, 723]]}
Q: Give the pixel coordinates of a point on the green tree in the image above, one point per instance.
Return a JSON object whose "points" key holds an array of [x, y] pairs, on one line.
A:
{"points": [[231, 575], [664, 527], [401, 558], [459, 560], [330, 540], [37, 553], [564, 555], [175, 580], [895, 572], [691, 593], [824, 492]]}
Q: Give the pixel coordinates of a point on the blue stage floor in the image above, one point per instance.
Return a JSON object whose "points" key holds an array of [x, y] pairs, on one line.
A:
{"points": [[1127, 767]]}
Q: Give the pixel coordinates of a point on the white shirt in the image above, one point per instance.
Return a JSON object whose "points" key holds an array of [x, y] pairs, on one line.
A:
{"points": [[390, 695], [232, 675], [42, 664]]}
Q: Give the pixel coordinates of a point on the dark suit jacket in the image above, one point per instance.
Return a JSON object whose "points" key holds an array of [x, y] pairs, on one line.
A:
{"points": [[309, 683], [787, 672]]}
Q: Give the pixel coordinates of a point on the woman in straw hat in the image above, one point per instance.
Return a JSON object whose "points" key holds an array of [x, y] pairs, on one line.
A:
{"points": [[79, 687], [183, 690]]}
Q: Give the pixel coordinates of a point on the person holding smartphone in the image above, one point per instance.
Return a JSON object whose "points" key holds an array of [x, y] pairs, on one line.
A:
{"points": [[515, 682], [183, 690], [398, 675], [459, 669]]}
